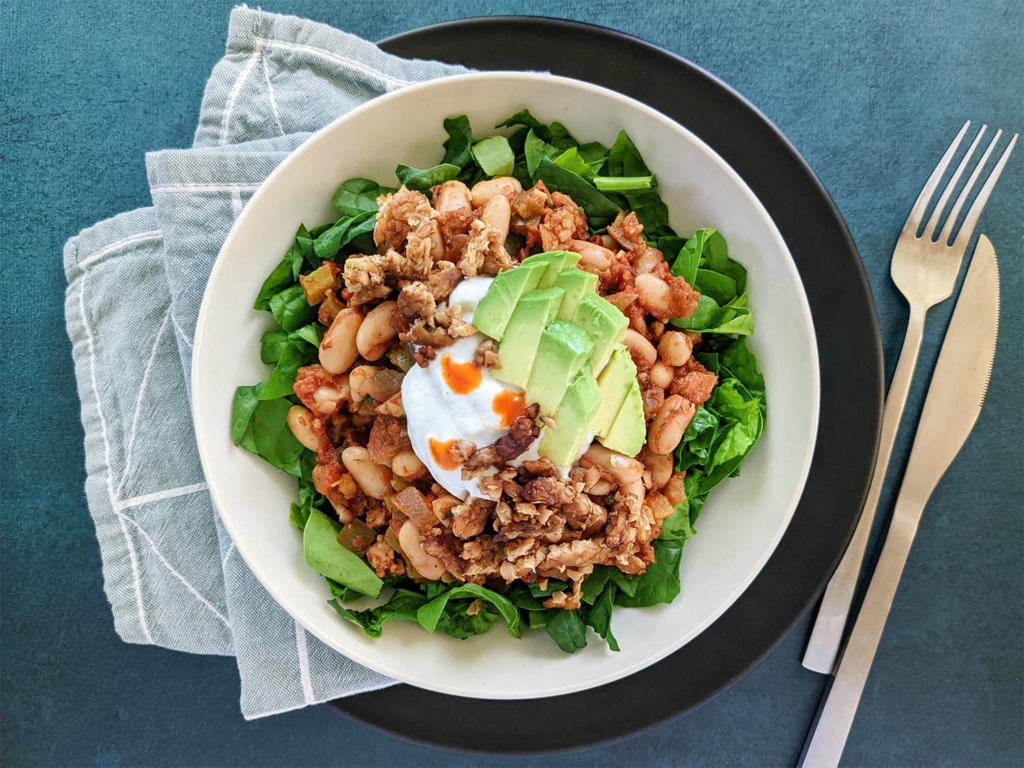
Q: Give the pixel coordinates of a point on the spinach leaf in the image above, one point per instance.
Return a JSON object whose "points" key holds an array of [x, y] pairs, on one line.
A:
{"points": [[457, 621], [624, 158], [291, 309], [523, 117], [243, 407], [522, 598], [598, 208], [422, 179], [494, 156], [572, 160], [311, 334], [271, 438], [623, 183], [600, 616], [695, 447], [732, 318], [281, 278], [308, 499], [594, 154], [403, 604], [567, 629], [340, 591], [688, 261], [535, 150], [295, 354], [458, 146], [272, 344], [677, 526], [719, 287], [327, 245], [430, 614], [595, 583], [660, 582], [741, 364], [358, 196], [553, 586]]}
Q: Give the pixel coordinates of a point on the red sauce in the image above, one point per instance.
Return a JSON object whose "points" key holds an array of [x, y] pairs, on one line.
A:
{"points": [[463, 378], [439, 450], [509, 406]]}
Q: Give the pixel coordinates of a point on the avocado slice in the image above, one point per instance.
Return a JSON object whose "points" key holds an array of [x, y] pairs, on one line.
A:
{"points": [[576, 283], [628, 431], [605, 324], [614, 383], [562, 443], [554, 262], [496, 307], [327, 557], [518, 348], [562, 351]]}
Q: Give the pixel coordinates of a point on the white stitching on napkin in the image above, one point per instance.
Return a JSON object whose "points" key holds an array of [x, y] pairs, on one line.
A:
{"points": [[138, 406], [202, 188], [270, 92], [271, 43], [300, 645], [106, 446], [177, 328], [136, 238], [236, 89], [172, 569], [170, 493]]}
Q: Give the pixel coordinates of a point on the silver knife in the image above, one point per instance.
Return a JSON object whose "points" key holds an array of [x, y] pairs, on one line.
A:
{"points": [[954, 400]]}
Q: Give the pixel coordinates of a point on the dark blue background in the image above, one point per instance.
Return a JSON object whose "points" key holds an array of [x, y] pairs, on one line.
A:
{"points": [[870, 93]]}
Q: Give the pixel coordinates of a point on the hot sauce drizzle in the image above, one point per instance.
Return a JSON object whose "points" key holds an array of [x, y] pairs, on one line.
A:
{"points": [[509, 405], [463, 378], [439, 450]]}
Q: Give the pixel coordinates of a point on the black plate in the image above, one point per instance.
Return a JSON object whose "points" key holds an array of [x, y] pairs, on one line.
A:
{"points": [[851, 396]]}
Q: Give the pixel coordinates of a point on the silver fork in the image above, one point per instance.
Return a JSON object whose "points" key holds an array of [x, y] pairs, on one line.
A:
{"points": [[924, 268]]}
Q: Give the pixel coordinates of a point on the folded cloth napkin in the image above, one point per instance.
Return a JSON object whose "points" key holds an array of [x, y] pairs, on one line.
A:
{"points": [[135, 283]]}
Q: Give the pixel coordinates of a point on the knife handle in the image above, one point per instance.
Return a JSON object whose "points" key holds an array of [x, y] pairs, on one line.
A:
{"points": [[833, 726], [830, 622]]}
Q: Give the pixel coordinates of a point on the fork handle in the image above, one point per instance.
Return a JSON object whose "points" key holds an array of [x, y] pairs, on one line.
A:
{"points": [[827, 633], [833, 726]]}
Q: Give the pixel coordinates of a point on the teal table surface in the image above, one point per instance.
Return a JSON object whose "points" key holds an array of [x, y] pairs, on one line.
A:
{"points": [[870, 93]]}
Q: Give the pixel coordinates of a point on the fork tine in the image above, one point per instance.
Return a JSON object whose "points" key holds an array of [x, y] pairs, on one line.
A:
{"points": [[917, 213], [933, 222], [971, 219], [947, 230]]}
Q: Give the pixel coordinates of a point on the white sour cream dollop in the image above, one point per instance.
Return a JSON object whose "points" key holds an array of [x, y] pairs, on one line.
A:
{"points": [[438, 414]]}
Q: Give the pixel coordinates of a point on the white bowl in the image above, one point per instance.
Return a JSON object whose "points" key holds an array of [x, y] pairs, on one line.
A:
{"points": [[740, 525]]}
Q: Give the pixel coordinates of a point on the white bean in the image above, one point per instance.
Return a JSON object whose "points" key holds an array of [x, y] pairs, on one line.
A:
{"points": [[407, 465], [338, 348], [497, 214], [662, 375], [675, 348], [643, 352], [619, 467], [669, 424], [660, 466], [592, 254], [373, 479], [483, 191], [648, 260], [428, 566], [655, 293], [601, 488], [451, 196], [375, 332], [328, 397], [300, 421]]}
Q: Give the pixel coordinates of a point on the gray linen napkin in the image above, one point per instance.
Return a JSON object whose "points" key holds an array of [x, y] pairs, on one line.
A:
{"points": [[135, 283]]}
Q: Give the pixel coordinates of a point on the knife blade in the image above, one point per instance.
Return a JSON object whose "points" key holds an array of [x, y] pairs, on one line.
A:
{"points": [[952, 407]]}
